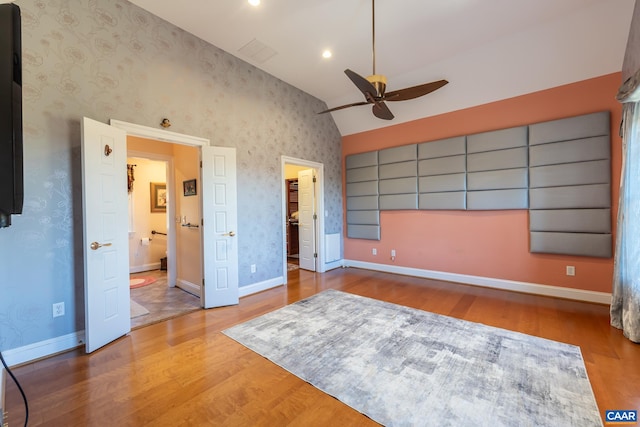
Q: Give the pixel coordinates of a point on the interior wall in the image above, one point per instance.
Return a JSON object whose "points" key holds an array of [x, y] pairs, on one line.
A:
{"points": [[188, 240], [491, 244], [146, 257], [109, 59]]}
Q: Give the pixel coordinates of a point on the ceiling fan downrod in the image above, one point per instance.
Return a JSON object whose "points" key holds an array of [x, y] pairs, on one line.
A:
{"points": [[378, 81]]}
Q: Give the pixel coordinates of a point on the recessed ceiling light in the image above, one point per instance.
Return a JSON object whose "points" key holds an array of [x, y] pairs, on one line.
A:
{"points": [[327, 54], [254, 2]]}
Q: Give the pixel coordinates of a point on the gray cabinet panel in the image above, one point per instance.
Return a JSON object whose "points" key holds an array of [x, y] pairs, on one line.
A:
{"points": [[399, 186], [497, 199], [398, 170], [442, 166], [596, 172], [442, 183], [497, 140], [443, 201], [501, 159], [369, 173], [585, 126], [363, 217], [442, 148], [366, 188], [496, 180], [361, 160], [363, 203], [399, 202], [595, 245], [577, 150], [571, 220], [370, 232], [397, 154], [575, 197]]}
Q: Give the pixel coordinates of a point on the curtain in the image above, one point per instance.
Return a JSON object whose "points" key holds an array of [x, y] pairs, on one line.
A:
{"points": [[625, 304]]}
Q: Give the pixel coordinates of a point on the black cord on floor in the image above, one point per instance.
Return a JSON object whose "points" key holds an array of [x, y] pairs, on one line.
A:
{"points": [[26, 405]]}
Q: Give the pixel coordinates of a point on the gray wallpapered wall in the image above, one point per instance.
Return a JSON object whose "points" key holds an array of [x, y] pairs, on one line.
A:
{"points": [[110, 59]]}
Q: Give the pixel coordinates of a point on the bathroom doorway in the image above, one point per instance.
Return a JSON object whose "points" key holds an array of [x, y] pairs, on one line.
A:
{"points": [[158, 291]]}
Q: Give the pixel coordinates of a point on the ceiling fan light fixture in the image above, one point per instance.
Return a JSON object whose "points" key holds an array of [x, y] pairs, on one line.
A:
{"points": [[254, 3], [378, 81], [326, 54]]}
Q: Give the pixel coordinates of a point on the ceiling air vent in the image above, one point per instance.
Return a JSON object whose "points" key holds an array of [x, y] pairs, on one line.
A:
{"points": [[257, 51]]}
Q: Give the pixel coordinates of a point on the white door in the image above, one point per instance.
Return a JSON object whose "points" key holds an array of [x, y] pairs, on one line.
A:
{"points": [[105, 240], [306, 221], [219, 232]]}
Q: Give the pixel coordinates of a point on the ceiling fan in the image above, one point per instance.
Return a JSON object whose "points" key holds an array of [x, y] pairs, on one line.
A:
{"points": [[373, 87]]}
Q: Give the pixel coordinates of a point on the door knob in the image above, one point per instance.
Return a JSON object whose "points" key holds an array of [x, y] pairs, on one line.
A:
{"points": [[230, 234], [95, 245]]}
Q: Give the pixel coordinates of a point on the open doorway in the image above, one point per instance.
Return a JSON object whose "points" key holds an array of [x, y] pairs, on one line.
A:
{"points": [[302, 213], [105, 222], [158, 292]]}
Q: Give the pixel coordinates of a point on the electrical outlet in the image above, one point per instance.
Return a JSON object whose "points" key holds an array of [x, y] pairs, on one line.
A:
{"points": [[393, 252], [374, 251], [571, 270], [253, 268], [58, 309]]}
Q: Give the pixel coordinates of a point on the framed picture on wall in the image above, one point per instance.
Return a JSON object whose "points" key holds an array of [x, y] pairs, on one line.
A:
{"points": [[189, 187], [158, 197]]}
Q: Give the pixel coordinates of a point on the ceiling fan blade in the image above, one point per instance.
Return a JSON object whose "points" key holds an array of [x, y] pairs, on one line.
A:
{"points": [[363, 84], [381, 111], [414, 91], [355, 104]]}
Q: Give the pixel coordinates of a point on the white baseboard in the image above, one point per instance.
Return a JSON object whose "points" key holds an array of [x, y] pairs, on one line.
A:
{"points": [[488, 282], [46, 348], [190, 287], [260, 286], [144, 267], [333, 265]]}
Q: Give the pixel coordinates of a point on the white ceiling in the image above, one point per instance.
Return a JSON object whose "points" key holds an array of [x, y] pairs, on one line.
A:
{"points": [[487, 49]]}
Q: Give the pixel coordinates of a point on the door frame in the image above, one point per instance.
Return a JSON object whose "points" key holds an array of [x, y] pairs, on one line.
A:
{"points": [[163, 135], [319, 206]]}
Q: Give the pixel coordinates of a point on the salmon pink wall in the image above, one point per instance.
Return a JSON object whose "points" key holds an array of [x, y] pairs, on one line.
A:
{"points": [[491, 244]]}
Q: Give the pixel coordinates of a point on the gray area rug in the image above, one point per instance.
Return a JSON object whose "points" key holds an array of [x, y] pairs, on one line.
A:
{"points": [[406, 367]]}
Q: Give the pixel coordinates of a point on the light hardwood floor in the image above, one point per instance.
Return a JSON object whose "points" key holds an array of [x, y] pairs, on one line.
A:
{"points": [[184, 372]]}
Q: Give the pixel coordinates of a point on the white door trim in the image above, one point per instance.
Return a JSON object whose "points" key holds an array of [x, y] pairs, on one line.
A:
{"points": [[159, 134], [141, 131], [319, 168]]}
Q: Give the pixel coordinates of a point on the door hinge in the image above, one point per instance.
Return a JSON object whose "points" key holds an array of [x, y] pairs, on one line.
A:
{"points": [[200, 164], [202, 282], [202, 222], [314, 179], [315, 216], [315, 254]]}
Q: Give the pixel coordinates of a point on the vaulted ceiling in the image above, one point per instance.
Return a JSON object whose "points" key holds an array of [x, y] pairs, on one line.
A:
{"points": [[487, 49]]}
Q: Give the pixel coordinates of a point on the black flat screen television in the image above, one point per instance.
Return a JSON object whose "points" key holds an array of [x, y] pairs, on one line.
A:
{"points": [[11, 162]]}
